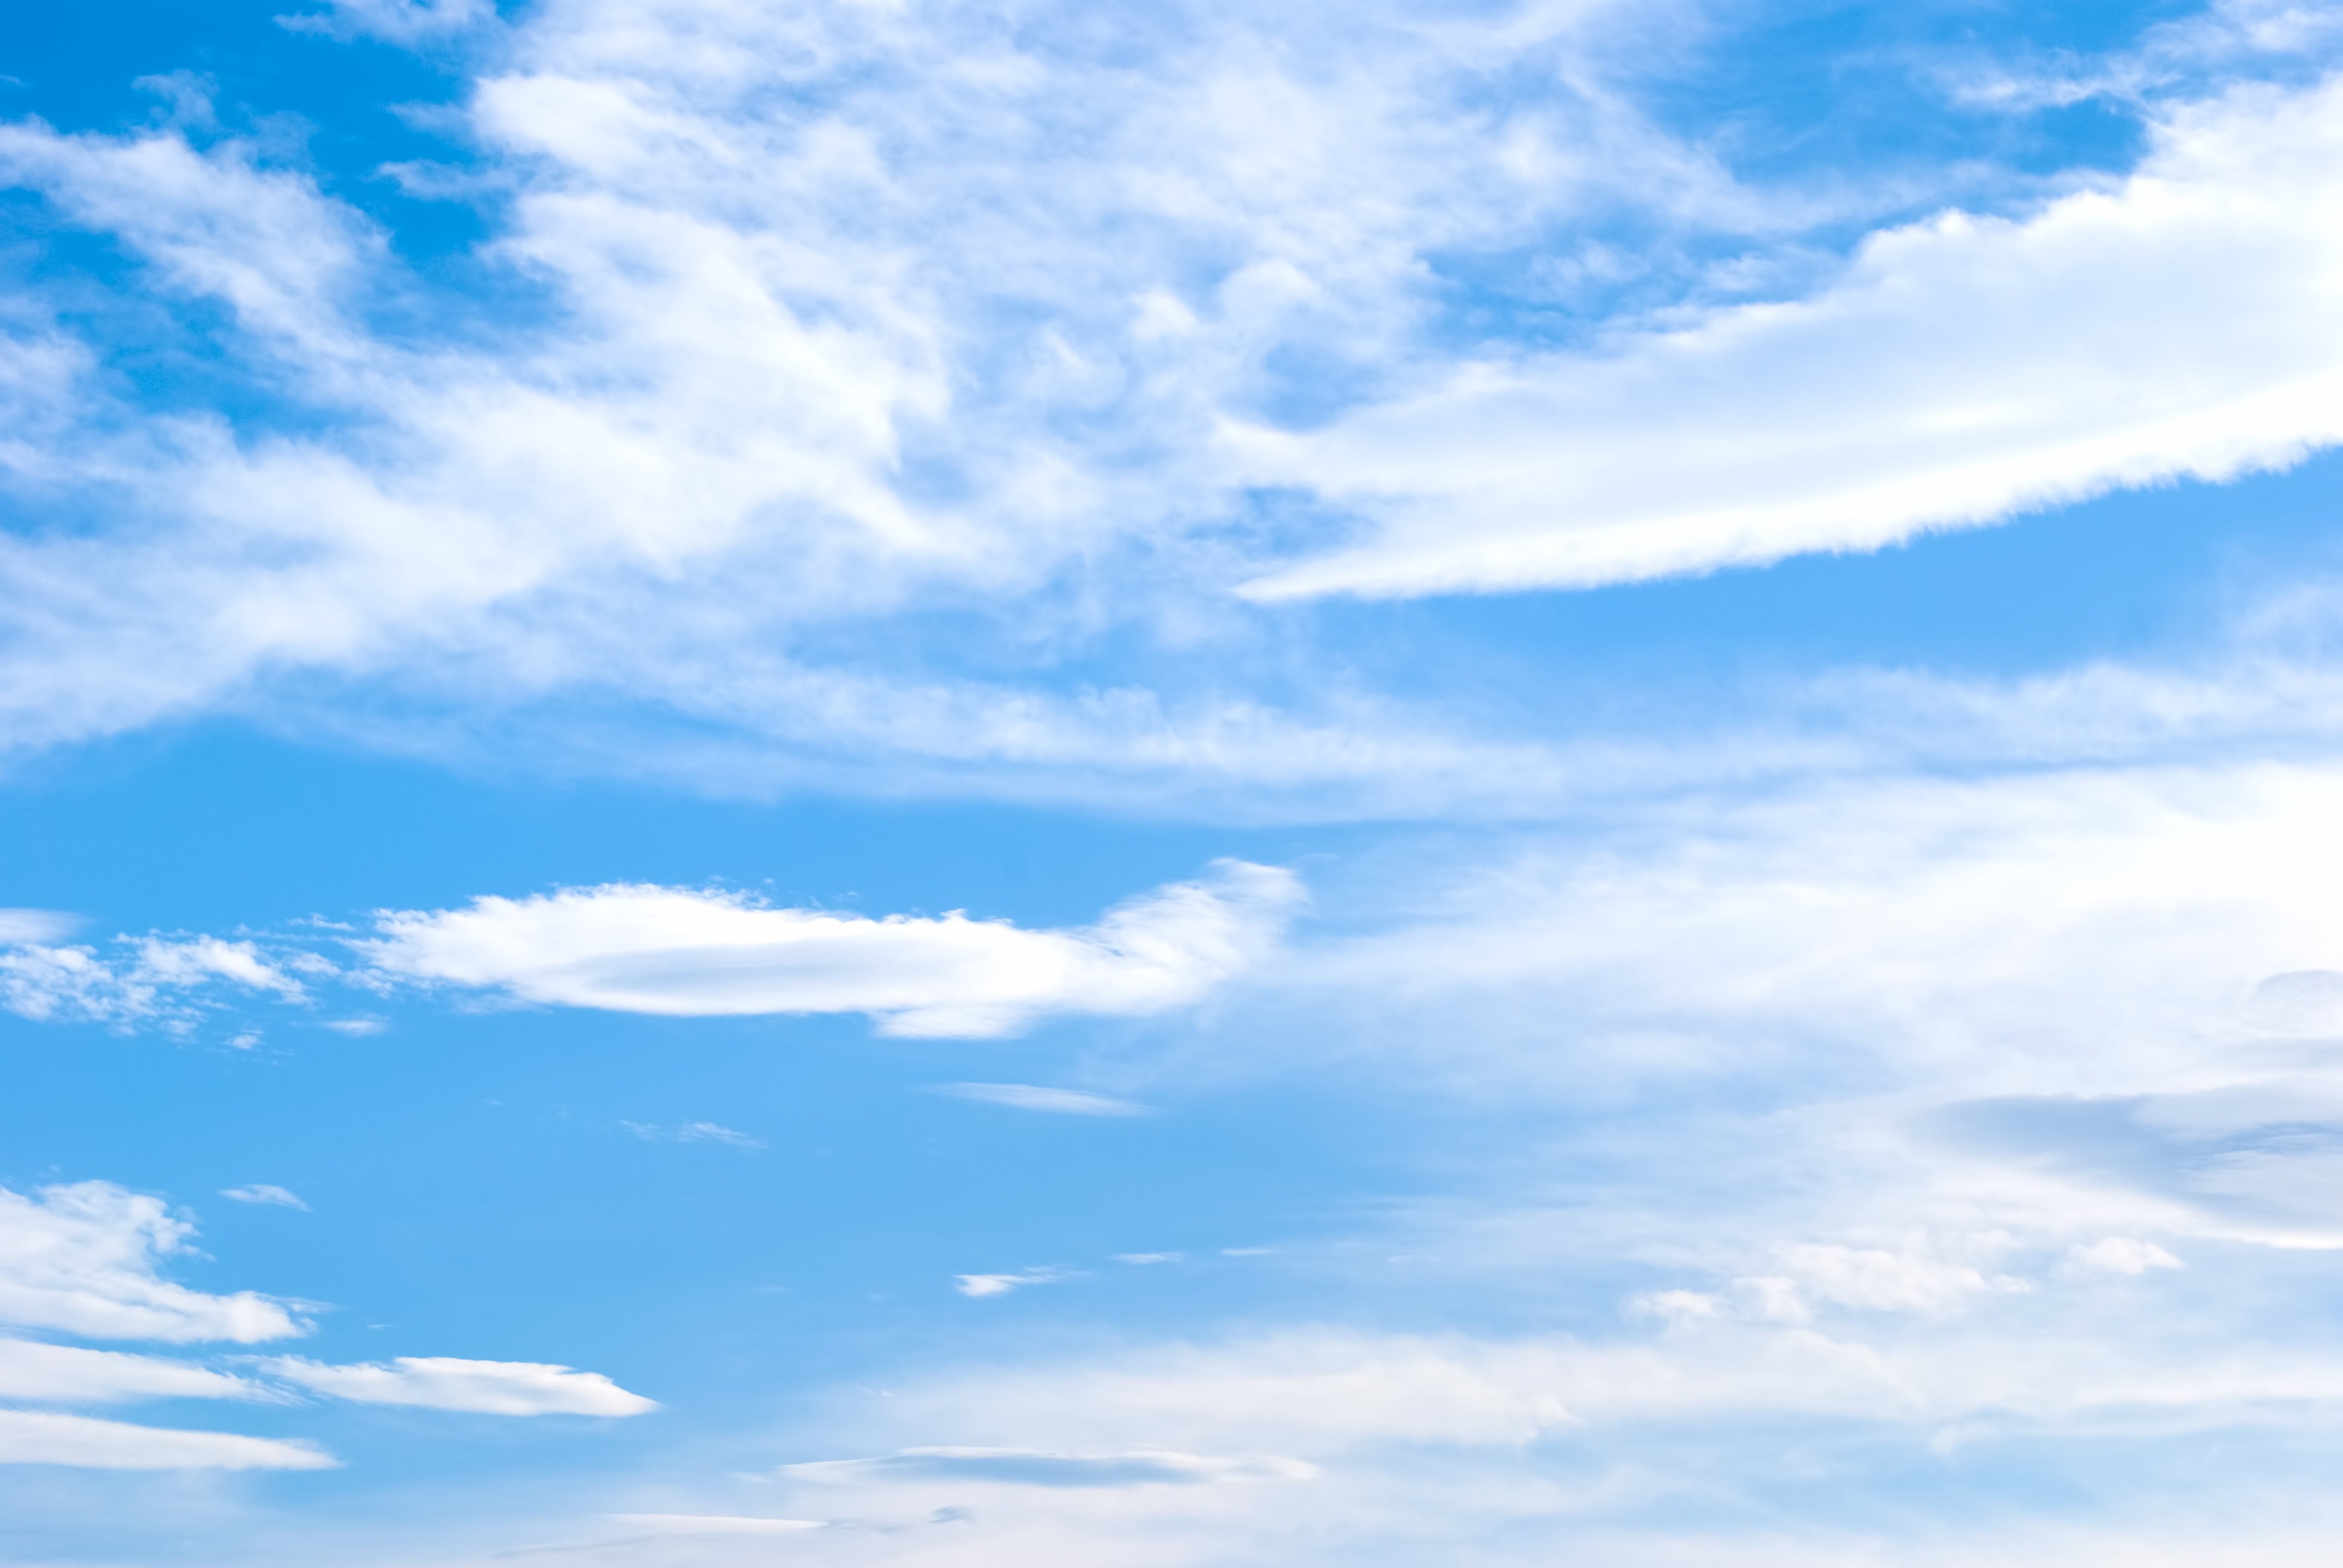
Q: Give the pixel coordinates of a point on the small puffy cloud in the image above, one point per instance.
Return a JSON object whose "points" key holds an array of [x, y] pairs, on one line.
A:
{"points": [[632, 948], [1002, 1284], [1144, 1258], [67, 1374], [2120, 1255], [87, 1259], [38, 1437], [1032, 1097], [264, 1192], [1032, 1467], [445, 1383]]}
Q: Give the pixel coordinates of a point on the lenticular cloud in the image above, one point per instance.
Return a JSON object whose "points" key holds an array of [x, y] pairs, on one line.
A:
{"points": [[633, 948]]}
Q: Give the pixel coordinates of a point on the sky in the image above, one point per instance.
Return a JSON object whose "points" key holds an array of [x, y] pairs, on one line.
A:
{"points": [[959, 782]]}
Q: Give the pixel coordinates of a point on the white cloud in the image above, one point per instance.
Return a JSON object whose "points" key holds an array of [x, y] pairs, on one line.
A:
{"points": [[639, 948], [950, 324], [445, 1383], [2121, 1255], [32, 926], [1032, 1097], [199, 960], [152, 980], [85, 1258], [712, 1525], [1002, 1284], [264, 1192], [1031, 1467], [2173, 323], [692, 1132], [67, 1374], [398, 21], [35, 1437]]}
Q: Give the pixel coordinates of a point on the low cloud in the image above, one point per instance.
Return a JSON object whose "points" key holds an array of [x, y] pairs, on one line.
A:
{"points": [[445, 1383], [632, 948]]}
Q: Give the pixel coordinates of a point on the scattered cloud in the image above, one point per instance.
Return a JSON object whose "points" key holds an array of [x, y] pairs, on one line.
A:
{"points": [[264, 1192], [1030, 1097], [445, 1383], [639, 948], [1141, 1258]]}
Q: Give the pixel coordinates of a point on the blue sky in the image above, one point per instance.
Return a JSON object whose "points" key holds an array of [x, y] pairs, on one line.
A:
{"points": [[954, 784]]}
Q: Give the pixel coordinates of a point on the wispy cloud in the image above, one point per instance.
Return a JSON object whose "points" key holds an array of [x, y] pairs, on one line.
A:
{"points": [[692, 1132], [1031, 1097], [264, 1192]]}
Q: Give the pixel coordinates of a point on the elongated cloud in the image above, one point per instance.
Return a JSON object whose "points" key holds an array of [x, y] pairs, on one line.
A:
{"points": [[447, 1383], [1034, 1097], [2181, 323], [68, 1374], [40, 1437], [1030, 1467], [630, 947]]}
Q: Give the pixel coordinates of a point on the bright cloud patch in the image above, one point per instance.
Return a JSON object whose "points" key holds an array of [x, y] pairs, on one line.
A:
{"points": [[445, 1383], [85, 1258], [636, 948]]}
